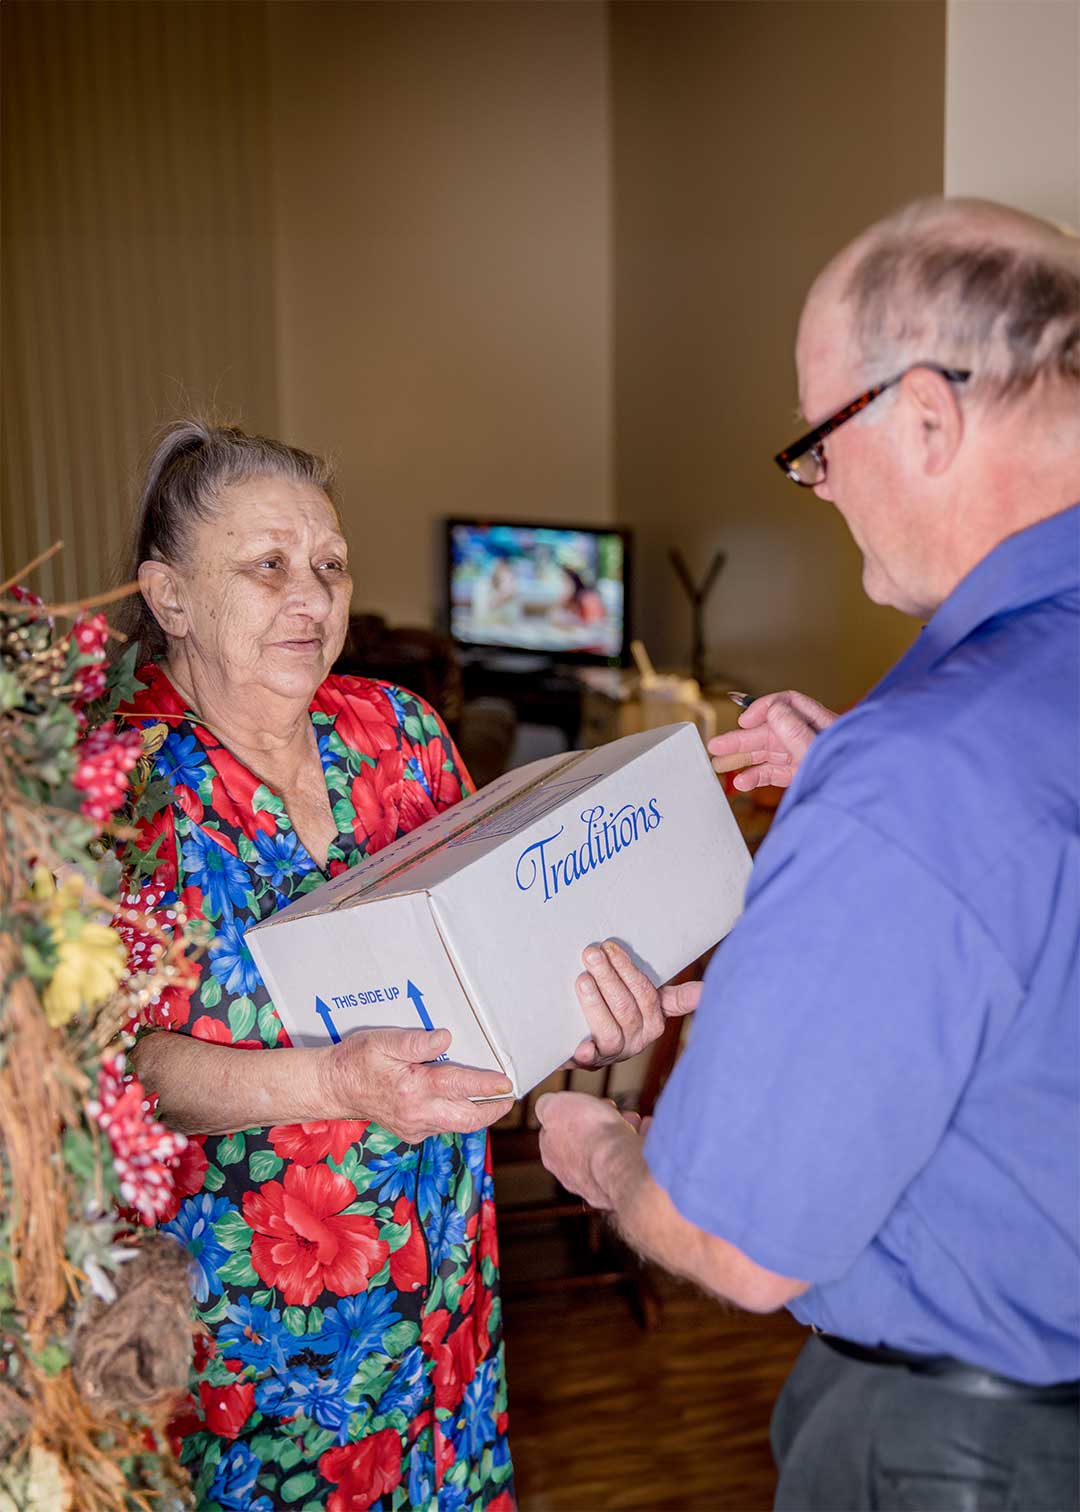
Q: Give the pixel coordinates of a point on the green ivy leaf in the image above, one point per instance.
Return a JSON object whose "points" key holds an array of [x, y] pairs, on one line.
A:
{"points": [[264, 1165], [231, 1149]]}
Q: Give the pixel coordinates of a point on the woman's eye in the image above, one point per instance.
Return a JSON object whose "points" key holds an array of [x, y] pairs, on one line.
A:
{"points": [[270, 562], [332, 565]]}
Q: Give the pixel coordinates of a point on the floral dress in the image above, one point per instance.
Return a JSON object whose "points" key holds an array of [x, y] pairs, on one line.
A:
{"points": [[348, 1280]]}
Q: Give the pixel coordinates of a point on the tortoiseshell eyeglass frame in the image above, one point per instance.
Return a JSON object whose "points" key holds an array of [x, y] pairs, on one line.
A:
{"points": [[812, 441]]}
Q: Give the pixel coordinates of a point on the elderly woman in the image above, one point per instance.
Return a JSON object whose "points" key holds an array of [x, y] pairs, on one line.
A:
{"points": [[336, 1202]]}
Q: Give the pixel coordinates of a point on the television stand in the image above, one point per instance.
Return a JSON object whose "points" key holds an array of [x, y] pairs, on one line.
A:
{"points": [[538, 689]]}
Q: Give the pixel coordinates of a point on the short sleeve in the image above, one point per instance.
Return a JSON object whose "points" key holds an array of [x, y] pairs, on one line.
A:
{"points": [[838, 1026]]}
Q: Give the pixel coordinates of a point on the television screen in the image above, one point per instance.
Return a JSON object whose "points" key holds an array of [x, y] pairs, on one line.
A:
{"points": [[561, 591]]}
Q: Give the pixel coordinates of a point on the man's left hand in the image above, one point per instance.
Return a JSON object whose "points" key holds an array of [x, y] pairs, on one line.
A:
{"points": [[576, 1130]]}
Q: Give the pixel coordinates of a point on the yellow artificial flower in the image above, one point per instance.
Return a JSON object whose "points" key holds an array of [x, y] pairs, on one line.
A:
{"points": [[153, 737], [91, 963]]}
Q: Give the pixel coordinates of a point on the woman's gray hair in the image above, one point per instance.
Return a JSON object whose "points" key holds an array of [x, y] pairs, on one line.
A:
{"points": [[970, 286], [192, 462]]}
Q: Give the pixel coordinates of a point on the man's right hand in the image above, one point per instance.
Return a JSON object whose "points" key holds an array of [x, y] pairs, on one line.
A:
{"points": [[386, 1075], [773, 737]]}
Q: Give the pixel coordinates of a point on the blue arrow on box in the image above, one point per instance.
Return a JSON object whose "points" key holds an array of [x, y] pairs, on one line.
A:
{"points": [[328, 1019]]}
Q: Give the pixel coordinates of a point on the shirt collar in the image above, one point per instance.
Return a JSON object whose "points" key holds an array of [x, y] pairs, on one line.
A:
{"points": [[1037, 563]]}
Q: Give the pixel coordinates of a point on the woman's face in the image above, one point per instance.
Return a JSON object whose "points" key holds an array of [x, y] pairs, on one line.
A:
{"points": [[265, 591]]}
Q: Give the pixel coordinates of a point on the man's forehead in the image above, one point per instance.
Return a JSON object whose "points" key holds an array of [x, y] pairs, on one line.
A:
{"points": [[823, 348]]}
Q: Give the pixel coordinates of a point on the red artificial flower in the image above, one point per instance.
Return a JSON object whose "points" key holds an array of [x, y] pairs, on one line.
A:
{"points": [[409, 1264], [376, 797], [364, 1471], [227, 1408], [104, 760], [304, 1244], [308, 1143], [89, 635], [145, 1153]]}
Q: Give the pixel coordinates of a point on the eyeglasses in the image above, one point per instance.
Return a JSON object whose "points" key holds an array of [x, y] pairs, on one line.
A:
{"points": [[804, 460]]}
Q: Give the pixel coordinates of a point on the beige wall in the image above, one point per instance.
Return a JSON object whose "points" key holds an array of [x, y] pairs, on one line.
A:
{"points": [[443, 233], [1012, 104], [136, 258], [750, 141]]}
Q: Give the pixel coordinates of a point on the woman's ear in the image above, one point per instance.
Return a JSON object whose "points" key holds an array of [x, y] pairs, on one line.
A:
{"points": [[161, 590], [938, 418]]}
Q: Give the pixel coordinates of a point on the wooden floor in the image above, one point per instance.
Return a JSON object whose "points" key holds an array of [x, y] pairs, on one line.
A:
{"points": [[604, 1415]]}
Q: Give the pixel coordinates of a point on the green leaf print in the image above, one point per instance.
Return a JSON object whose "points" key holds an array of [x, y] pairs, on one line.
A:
{"points": [[337, 781], [238, 1270], [264, 1164], [464, 1195], [264, 1297], [348, 1166], [232, 1231], [343, 813], [403, 1335], [241, 1018], [214, 1315], [298, 1485], [210, 991], [247, 850], [316, 1443], [263, 801], [291, 1454], [295, 1320], [314, 1320], [379, 1141], [269, 1024], [214, 1179], [395, 1234], [231, 1149]]}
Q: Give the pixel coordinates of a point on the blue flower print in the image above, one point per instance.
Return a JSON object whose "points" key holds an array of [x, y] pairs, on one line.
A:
{"points": [[406, 1390], [179, 760], [474, 1150], [436, 1167], [223, 877], [280, 857], [455, 1498], [474, 1425], [445, 1228], [414, 772], [321, 1398], [255, 1335], [231, 962], [193, 1227], [234, 1481], [326, 755], [355, 1327], [397, 1173], [421, 1477]]}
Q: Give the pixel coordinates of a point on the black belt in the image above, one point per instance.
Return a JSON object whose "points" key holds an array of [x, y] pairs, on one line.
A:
{"points": [[954, 1374]]}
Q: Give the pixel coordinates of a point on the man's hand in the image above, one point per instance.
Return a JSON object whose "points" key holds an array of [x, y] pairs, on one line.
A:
{"points": [[623, 1009], [386, 1075], [579, 1136], [774, 735]]}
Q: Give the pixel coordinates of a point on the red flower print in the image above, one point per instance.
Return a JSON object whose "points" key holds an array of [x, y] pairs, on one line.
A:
{"points": [[455, 1366], [308, 1143], [363, 718], [189, 1173], [227, 1408], [304, 1244], [433, 1330], [188, 800], [376, 797], [212, 1029], [232, 794], [488, 1248], [504, 1502], [409, 1264], [184, 1422], [365, 1471]]}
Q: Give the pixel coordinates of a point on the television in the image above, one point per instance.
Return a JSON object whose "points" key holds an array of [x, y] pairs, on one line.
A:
{"points": [[557, 591]]}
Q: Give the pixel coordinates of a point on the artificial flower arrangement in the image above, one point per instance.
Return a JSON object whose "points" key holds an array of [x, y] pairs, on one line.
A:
{"points": [[95, 1332]]}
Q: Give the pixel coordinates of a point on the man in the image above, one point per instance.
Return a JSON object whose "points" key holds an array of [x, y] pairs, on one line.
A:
{"points": [[875, 1122]]}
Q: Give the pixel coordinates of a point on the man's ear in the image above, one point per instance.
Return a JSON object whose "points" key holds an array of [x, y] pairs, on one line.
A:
{"points": [[161, 590], [937, 419]]}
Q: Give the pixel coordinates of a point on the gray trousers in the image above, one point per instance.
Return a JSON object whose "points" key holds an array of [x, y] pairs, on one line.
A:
{"points": [[855, 1437]]}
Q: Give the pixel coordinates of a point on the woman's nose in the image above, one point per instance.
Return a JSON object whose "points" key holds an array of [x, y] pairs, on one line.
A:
{"points": [[309, 593]]}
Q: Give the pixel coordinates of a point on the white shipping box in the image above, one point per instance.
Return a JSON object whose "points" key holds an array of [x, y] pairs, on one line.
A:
{"points": [[476, 921]]}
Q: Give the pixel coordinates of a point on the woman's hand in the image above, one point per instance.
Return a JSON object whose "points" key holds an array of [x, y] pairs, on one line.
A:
{"points": [[774, 735], [625, 1012], [386, 1075]]}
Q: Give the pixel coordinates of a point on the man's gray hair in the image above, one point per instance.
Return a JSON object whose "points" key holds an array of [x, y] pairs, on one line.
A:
{"points": [[968, 285]]}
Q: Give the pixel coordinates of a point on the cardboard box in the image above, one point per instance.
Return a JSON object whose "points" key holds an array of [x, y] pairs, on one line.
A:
{"points": [[476, 921]]}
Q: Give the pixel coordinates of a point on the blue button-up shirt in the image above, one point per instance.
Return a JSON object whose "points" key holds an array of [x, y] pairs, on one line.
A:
{"points": [[881, 1095]]}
